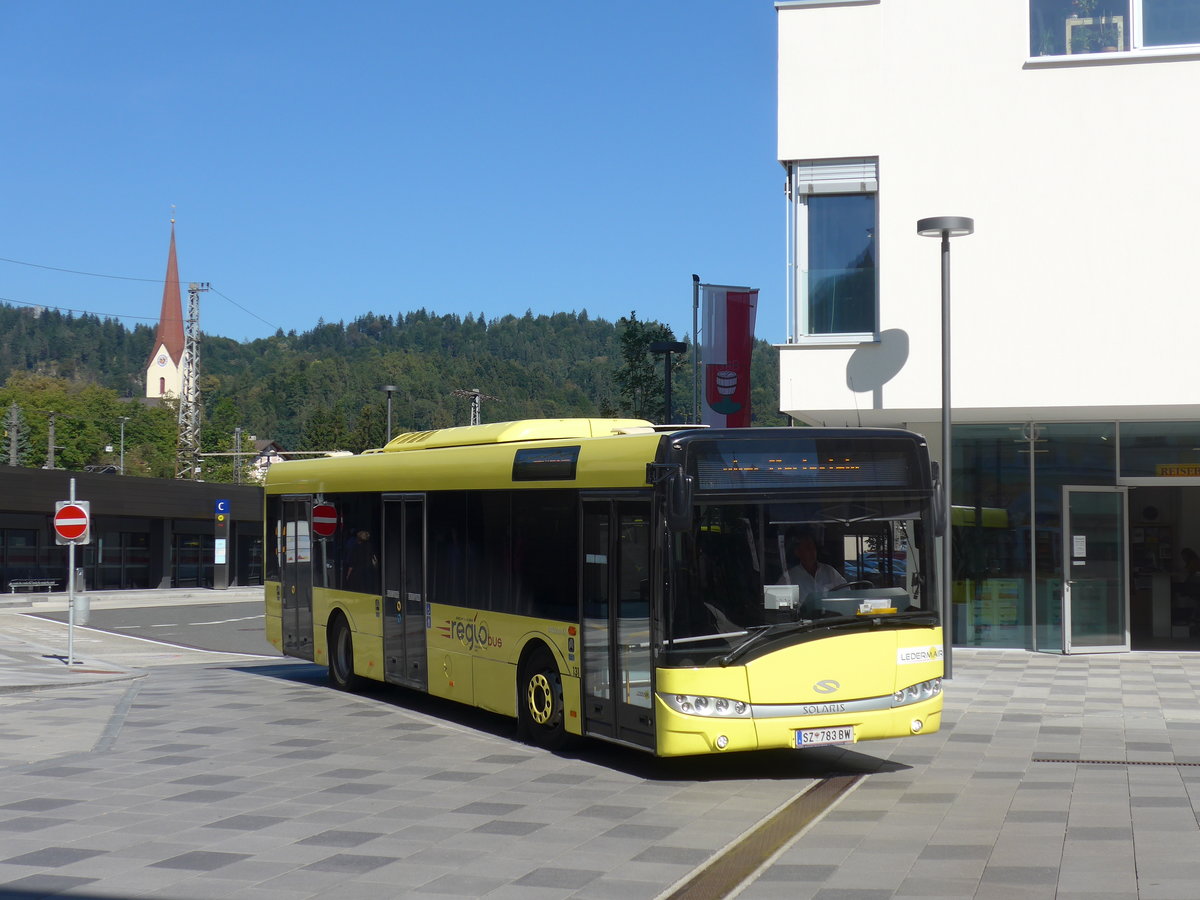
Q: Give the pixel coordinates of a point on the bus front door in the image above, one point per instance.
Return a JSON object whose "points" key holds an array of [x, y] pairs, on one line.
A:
{"points": [[617, 668], [404, 591], [295, 577]]}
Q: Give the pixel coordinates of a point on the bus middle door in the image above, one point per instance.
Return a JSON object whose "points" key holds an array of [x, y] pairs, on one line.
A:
{"points": [[294, 541], [404, 590], [617, 664]]}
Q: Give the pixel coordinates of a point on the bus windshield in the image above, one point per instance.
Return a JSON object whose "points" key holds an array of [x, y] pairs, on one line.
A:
{"points": [[745, 568]]}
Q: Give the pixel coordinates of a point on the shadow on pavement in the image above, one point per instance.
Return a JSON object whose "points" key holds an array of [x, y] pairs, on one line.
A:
{"points": [[781, 765]]}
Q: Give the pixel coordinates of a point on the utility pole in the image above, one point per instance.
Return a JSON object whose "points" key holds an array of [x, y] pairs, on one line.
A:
{"points": [[476, 396], [50, 443], [187, 455], [14, 418], [124, 419]]}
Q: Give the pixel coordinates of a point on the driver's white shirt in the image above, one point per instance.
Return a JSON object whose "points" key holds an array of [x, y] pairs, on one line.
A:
{"points": [[825, 579]]}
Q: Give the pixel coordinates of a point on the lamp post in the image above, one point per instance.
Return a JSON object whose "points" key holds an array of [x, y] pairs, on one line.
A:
{"points": [[237, 454], [666, 348], [389, 389], [124, 419], [946, 227]]}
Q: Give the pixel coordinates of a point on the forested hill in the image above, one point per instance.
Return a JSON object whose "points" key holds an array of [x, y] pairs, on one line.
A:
{"points": [[323, 388]]}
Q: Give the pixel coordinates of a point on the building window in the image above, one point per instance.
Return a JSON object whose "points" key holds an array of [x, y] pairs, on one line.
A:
{"points": [[1160, 450], [1069, 27], [835, 285]]}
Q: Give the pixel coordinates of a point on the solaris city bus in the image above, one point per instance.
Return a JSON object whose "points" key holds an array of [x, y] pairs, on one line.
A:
{"points": [[616, 579]]}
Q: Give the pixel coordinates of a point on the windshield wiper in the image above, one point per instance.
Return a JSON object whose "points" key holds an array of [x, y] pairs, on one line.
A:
{"points": [[916, 617], [759, 636]]}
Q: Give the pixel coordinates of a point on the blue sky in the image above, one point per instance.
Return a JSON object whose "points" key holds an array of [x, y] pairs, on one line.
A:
{"points": [[329, 160]]}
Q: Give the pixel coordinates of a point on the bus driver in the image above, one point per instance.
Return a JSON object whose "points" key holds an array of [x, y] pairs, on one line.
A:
{"points": [[807, 572]]}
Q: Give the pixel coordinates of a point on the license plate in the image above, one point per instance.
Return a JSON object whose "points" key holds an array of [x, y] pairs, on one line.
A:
{"points": [[823, 737]]}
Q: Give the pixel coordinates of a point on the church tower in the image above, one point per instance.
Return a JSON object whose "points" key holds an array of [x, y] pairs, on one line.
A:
{"points": [[164, 369]]}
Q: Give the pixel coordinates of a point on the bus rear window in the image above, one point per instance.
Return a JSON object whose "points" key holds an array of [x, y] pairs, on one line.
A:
{"points": [[545, 464]]}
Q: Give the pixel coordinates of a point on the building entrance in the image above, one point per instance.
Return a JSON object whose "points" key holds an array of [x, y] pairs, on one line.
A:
{"points": [[1094, 597], [1077, 537], [1164, 540]]}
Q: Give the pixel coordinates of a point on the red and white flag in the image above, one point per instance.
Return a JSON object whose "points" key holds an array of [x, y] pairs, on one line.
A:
{"points": [[728, 341]]}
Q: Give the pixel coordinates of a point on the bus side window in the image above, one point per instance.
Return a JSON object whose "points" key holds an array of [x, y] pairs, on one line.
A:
{"points": [[489, 551], [447, 548], [545, 556]]}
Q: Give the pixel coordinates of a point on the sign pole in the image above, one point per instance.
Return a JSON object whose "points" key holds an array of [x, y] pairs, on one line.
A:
{"points": [[71, 593], [695, 350], [72, 525], [221, 545]]}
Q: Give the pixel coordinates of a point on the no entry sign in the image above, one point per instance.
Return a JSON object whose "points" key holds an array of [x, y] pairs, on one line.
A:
{"points": [[72, 521], [324, 520]]}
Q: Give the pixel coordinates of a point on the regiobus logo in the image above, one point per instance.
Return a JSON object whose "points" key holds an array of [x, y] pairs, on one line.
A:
{"points": [[471, 633]]}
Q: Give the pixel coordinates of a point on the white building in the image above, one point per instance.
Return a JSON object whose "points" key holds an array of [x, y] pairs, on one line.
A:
{"points": [[1065, 129]]}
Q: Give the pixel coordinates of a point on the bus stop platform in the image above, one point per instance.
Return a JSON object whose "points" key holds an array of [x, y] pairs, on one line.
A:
{"points": [[34, 652], [1053, 778]]}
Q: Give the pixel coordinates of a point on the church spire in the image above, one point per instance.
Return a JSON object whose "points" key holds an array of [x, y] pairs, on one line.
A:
{"points": [[170, 319], [164, 368]]}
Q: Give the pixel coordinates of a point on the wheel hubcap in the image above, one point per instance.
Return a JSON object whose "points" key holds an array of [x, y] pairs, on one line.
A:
{"points": [[541, 699]]}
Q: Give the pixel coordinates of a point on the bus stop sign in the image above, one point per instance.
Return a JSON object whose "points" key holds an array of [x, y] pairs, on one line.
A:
{"points": [[324, 520], [72, 522]]}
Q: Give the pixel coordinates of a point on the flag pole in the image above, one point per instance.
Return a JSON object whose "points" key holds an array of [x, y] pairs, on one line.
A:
{"points": [[695, 351]]}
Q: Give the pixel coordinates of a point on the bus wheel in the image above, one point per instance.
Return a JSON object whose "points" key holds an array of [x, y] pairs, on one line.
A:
{"points": [[541, 702], [341, 657]]}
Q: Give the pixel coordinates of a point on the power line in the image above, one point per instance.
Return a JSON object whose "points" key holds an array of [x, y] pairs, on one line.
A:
{"points": [[18, 262], [86, 312], [243, 309]]}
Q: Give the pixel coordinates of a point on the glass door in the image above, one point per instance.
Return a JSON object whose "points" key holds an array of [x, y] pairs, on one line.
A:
{"points": [[404, 609], [295, 576], [616, 587], [1095, 570]]}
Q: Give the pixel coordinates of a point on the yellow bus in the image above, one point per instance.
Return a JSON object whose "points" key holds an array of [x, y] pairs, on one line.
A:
{"points": [[624, 581]]}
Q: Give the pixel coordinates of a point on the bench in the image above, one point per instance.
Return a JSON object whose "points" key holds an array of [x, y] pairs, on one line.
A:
{"points": [[28, 583]]}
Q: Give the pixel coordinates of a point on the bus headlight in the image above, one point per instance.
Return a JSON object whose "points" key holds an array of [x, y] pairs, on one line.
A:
{"points": [[915, 693], [712, 707]]}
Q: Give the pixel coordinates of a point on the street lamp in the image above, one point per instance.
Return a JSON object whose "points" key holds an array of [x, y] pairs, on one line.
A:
{"points": [[390, 389], [237, 454], [946, 227], [124, 419], [666, 348]]}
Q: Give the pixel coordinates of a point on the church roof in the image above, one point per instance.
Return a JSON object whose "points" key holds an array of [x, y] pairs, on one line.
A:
{"points": [[170, 319]]}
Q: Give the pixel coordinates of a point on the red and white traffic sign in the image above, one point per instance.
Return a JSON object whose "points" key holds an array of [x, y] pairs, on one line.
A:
{"points": [[324, 520], [72, 521]]}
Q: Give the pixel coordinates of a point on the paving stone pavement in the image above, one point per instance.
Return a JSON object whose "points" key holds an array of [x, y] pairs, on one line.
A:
{"points": [[205, 777]]}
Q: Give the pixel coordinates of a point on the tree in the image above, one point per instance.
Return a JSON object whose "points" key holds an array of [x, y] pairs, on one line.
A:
{"points": [[368, 431], [86, 420], [764, 386], [218, 435], [639, 378], [325, 429], [286, 387]]}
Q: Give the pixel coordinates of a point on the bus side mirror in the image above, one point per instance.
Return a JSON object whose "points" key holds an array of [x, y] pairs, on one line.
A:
{"points": [[679, 501], [939, 511]]}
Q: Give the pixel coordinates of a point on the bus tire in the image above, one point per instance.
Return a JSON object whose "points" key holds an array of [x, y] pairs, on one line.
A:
{"points": [[341, 656], [540, 706]]}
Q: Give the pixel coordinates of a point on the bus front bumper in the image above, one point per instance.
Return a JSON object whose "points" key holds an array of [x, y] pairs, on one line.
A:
{"points": [[680, 734]]}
